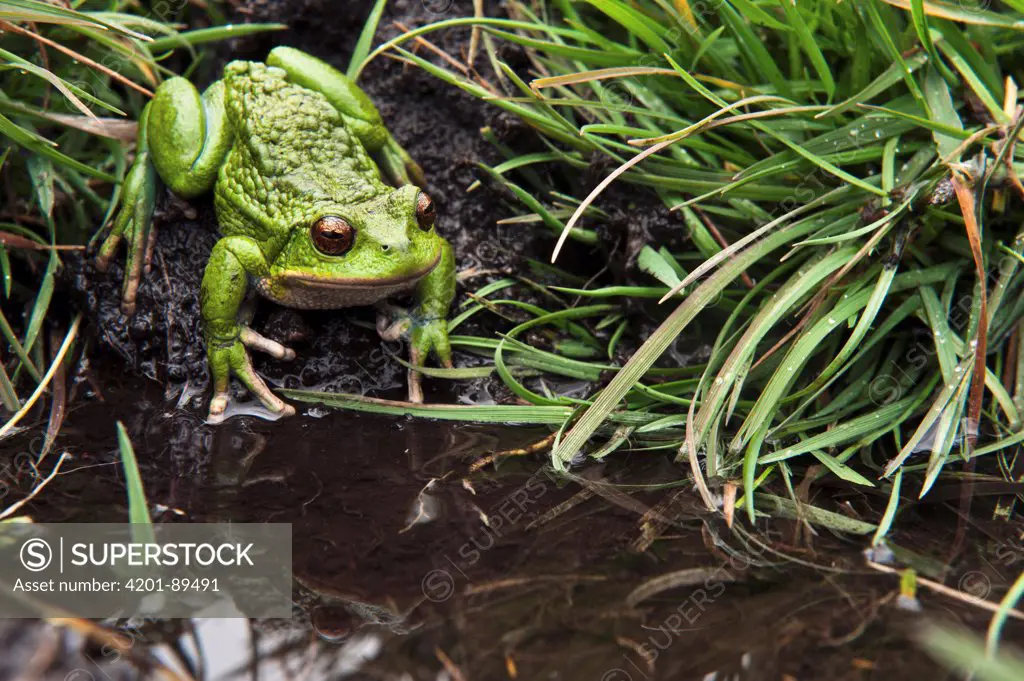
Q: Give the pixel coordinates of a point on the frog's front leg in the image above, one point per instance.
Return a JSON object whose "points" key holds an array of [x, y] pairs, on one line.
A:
{"points": [[429, 333], [183, 138], [355, 106], [224, 286]]}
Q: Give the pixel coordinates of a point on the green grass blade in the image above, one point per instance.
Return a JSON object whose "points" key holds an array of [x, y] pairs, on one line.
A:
{"points": [[138, 507], [365, 40]]}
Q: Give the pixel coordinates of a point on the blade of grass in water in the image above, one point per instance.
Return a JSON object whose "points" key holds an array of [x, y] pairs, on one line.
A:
{"points": [[138, 507]]}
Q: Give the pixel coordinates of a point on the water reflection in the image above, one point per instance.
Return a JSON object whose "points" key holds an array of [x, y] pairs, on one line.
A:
{"points": [[409, 563]]}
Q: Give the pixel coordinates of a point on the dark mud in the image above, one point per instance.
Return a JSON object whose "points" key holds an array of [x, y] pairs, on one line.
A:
{"points": [[507, 572]]}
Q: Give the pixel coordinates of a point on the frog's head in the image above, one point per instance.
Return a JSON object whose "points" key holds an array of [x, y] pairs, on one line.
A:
{"points": [[357, 254]]}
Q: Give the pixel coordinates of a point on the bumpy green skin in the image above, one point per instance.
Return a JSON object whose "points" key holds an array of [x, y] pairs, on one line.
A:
{"points": [[282, 145]]}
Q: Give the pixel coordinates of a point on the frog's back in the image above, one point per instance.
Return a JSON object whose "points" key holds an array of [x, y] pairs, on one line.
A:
{"points": [[292, 151]]}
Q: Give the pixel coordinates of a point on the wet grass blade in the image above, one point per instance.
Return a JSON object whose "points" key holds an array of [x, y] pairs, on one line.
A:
{"points": [[659, 341], [539, 415], [365, 40], [202, 36], [138, 507], [960, 650]]}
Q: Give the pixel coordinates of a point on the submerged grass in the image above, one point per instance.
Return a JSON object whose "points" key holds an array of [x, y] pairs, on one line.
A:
{"points": [[847, 177]]}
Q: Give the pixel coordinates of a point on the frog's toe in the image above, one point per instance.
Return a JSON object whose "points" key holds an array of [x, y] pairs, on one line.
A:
{"points": [[257, 341], [415, 380], [107, 252], [242, 367], [392, 331], [130, 292], [218, 405]]}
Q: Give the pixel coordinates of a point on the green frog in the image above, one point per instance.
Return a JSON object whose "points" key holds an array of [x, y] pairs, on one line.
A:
{"points": [[302, 208]]}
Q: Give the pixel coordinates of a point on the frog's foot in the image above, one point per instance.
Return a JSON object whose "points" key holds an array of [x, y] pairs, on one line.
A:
{"points": [[393, 323], [398, 166], [133, 224], [231, 357], [428, 335]]}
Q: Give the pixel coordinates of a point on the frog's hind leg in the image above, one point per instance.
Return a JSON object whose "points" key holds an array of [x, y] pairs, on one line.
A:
{"points": [[355, 107], [133, 221], [182, 139], [189, 135]]}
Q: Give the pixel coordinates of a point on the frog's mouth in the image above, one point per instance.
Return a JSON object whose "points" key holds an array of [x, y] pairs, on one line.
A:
{"points": [[305, 291], [343, 283]]}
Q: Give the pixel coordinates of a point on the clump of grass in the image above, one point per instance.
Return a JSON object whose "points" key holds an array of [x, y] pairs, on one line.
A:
{"points": [[71, 81], [847, 174]]}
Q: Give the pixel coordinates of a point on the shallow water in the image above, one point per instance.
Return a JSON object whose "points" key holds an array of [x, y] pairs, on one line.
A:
{"points": [[398, 574]]}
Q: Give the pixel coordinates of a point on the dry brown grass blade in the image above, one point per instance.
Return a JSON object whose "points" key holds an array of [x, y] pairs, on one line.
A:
{"points": [[453, 671], [533, 448], [47, 377], [627, 71], [691, 454], [426, 44], [966, 199], [650, 151], [474, 36], [16, 506], [600, 74], [956, 594], [103, 126], [58, 406]]}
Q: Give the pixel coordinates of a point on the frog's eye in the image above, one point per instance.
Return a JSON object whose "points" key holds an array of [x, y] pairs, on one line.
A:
{"points": [[332, 235], [424, 212]]}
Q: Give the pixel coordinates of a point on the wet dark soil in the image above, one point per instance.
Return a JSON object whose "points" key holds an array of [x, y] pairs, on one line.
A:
{"points": [[410, 565]]}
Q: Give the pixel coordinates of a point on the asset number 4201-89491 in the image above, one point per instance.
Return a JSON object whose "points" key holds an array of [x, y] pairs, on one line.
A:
{"points": [[153, 584]]}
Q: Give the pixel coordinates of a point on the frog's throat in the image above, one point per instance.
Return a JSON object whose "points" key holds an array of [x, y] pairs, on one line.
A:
{"points": [[310, 292]]}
